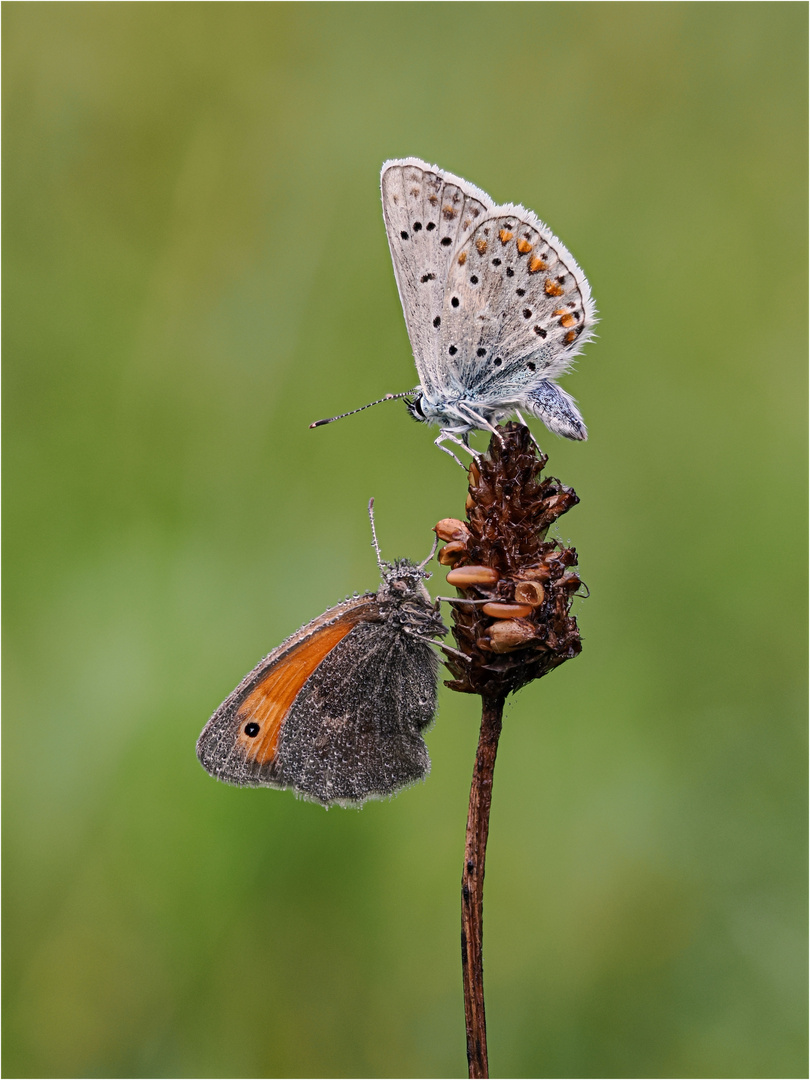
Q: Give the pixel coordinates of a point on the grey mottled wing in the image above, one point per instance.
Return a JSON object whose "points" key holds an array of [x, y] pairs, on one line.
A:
{"points": [[429, 214], [354, 731], [517, 308]]}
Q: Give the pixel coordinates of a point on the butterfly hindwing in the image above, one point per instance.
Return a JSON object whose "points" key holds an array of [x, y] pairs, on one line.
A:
{"points": [[517, 308], [354, 731]]}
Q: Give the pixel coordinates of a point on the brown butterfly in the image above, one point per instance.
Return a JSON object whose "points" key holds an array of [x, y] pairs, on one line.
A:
{"points": [[336, 712]]}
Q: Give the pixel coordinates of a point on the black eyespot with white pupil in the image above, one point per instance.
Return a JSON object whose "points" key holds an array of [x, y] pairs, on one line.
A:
{"points": [[252, 729]]}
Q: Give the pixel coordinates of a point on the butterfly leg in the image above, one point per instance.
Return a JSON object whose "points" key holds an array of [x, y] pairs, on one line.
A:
{"points": [[441, 645], [479, 421], [449, 435], [537, 445]]}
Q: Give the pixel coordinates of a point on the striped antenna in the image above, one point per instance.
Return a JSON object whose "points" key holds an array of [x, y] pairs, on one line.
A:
{"points": [[388, 397], [373, 530]]}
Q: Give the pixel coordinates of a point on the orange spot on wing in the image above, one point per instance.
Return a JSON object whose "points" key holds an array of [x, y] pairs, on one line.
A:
{"points": [[570, 336], [481, 244], [505, 236], [462, 258], [552, 288], [536, 263], [269, 702], [567, 320], [524, 247], [449, 212]]}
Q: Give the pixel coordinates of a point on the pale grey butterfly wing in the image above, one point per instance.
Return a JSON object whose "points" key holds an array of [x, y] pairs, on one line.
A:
{"points": [[516, 305], [517, 311], [429, 215]]}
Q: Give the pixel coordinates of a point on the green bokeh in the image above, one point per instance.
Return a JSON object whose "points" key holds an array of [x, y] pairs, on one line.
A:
{"points": [[196, 268]]}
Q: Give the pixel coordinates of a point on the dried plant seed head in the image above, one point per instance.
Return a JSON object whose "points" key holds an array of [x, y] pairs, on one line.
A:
{"points": [[518, 626]]}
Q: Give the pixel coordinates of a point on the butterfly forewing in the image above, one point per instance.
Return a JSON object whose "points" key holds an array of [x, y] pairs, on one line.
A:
{"points": [[239, 744], [428, 217]]}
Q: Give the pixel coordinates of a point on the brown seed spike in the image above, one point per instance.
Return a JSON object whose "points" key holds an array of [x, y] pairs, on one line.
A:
{"points": [[505, 236], [481, 244], [524, 247], [462, 258], [536, 263], [552, 288], [510, 509]]}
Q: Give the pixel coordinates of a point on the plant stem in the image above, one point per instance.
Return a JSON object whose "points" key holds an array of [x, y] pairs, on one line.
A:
{"points": [[472, 885]]}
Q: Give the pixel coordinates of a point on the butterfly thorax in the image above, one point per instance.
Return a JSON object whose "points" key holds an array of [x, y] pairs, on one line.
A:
{"points": [[405, 603], [453, 413]]}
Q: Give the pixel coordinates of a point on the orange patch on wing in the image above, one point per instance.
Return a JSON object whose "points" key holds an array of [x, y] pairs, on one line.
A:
{"points": [[269, 702], [524, 247], [570, 336], [505, 236], [536, 263], [481, 244], [552, 288], [449, 212], [567, 320], [462, 258]]}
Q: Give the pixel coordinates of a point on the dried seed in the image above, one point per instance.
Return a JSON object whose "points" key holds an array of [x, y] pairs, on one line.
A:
{"points": [[451, 529], [451, 553], [530, 592], [500, 610], [472, 575]]}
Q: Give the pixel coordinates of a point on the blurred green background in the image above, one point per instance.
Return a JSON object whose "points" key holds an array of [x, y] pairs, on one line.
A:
{"points": [[195, 268]]}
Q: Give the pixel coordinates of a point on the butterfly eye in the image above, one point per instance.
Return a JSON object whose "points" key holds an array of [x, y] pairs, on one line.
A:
{"points": [[252, 730]]}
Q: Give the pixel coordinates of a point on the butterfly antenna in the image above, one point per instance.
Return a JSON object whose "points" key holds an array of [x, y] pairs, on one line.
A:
{"points": [[374, 534], [424, 562], [388, 397]]}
